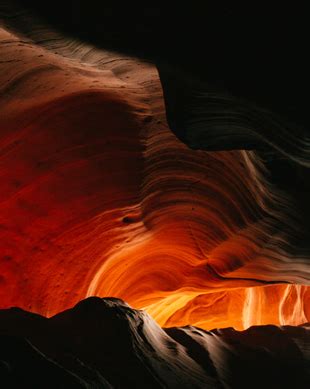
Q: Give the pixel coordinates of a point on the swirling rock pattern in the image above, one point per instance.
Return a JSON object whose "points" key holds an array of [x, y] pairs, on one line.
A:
{"points": [[99, 197]]}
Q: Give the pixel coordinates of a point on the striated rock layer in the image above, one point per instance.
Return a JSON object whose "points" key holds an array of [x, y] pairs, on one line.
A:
{"points": [[99, 197], [103, 343]]}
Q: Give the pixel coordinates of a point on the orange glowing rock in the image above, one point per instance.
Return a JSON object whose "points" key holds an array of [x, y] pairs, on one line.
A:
{"points": [[98, 197]]}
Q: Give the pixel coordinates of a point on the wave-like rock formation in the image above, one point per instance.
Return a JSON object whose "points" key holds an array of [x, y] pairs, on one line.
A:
{"points": [[167, 184], [228, 75], [208, 119], [103, 343], [99, 197]]}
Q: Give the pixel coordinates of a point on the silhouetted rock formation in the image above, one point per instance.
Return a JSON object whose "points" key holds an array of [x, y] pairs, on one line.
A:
{"points": [[103, 343]]}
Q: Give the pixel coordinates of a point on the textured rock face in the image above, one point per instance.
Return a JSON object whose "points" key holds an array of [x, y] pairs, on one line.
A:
{"points": [[103, 343], [98, 197], [184, 195]]}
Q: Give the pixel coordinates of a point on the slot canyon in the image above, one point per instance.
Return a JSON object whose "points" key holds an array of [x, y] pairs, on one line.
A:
{"points": [[170, 212]]}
